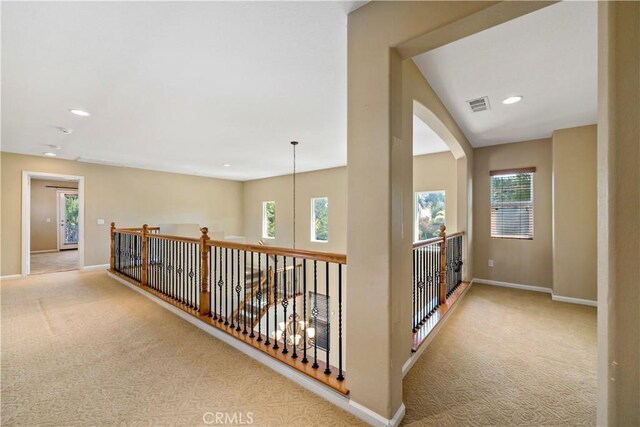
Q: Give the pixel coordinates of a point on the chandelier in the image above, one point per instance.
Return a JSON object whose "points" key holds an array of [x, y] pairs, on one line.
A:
{"points": [[302, 337]]}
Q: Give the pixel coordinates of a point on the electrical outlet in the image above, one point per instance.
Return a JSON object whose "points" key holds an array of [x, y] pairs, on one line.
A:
{"points": [[490, 263], [101, 222], [48, 219]]}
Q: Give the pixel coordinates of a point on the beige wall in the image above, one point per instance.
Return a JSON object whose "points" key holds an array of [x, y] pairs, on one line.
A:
{"points": [[619, 213], [430, 172], [329, 183], [44, 205], [574, 212], [130, 197], [435, 172], [526, 262]]}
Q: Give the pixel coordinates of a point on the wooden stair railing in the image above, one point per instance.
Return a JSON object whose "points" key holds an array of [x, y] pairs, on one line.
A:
{"points": [[209, 280]]}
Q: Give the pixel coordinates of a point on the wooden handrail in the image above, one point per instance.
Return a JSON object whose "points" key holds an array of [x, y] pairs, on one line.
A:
{"points": [[433, 240], [427, 242], [175, 238], [452, 235], [272, 250]]}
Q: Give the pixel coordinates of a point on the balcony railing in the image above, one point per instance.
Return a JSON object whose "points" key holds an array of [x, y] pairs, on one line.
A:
{"points": [[437, 281], [287, 303]]}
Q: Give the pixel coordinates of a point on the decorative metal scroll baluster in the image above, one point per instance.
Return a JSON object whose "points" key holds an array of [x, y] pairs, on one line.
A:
{"points": [[327, 370], [314, 312], [304, 307], [268, 299], [212, 289], [285, 303], [226, 288], [275, 299], [340, 372], [238, 289], [294, 275]]}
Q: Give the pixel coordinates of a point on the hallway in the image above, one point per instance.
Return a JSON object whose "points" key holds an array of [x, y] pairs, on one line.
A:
{"points": [[50, 262], [507, 357], [80, 348]]}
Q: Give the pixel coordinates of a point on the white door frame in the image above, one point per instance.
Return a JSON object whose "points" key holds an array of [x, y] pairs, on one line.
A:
{"points": [[58, 218], [27, 176]]}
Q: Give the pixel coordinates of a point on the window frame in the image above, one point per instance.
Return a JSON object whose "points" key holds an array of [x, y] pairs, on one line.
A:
{"points": [[265, 228], [313, 230], [507, 172]]}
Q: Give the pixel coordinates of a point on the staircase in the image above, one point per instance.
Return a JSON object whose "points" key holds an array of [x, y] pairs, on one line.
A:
{"points": [[259, 306]]}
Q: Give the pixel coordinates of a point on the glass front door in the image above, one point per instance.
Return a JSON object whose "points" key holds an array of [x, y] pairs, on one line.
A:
{"points": [[68, 215]]}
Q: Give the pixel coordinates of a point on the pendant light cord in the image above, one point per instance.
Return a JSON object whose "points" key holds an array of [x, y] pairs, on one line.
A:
{"points": [[294, 143]]}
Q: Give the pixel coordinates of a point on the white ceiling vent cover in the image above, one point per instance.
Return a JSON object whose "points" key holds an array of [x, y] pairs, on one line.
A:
{"points": [[479, 104]]}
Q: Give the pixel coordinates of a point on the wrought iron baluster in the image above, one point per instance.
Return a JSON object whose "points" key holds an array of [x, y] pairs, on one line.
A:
{"points": [[212, 254], [294, 273], [327, 370], [268, 300], [252, 335], [232, 325], [304, 310], [285, 303], [226, 287], [314, 313], [275, 305], [238, 289], [340, 376]]}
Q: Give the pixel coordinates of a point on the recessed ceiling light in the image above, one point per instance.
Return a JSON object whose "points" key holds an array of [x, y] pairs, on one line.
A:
{"points": [[49, 154], [64, 130], [512, 99], [226, 165], [79, 113]]}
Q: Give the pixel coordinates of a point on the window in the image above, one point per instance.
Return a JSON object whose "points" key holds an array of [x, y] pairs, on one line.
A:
{"points": [[512, 203], [321, 321], [320, 219], [269, 220], [430, 214]]}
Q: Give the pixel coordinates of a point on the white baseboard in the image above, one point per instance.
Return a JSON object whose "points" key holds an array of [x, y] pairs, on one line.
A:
{"points": [[513, 285], [574, 300], [294, 375], [11, 277], [46, 251], [538, 289], [96, 267], [415, 356], [375, 419]]}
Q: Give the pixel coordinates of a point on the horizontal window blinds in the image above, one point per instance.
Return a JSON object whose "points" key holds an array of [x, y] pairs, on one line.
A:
{"points": [[512, 203]]}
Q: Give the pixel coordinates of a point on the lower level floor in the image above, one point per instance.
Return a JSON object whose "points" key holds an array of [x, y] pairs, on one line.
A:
{"points": [[79, 348]]}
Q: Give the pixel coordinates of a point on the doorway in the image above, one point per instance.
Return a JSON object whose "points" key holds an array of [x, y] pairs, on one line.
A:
{"points": [[52, 223]]}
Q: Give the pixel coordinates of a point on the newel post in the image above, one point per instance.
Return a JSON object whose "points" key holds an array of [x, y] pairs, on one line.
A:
{"points": [[145, 255], [112, 258], [443, 265], [205, 298]]}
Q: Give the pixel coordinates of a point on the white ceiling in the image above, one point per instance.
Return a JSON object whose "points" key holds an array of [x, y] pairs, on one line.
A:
{"points": [[548, 56], [425, 140], [183, 87]]}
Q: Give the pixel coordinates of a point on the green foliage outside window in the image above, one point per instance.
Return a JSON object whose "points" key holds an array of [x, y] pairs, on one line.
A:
{"points": [[320, 208], [430, 213], [269, 227]]}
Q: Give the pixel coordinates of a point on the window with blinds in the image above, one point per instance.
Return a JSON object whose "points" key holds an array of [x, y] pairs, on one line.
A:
{"points": [[512, 203]]}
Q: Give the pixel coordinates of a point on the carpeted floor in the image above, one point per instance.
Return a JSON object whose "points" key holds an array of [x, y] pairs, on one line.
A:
{"points": [[83, 349], [507, 357], [50, 262], [79, 348]]}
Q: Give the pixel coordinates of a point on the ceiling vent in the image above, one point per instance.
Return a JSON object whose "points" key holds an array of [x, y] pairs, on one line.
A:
{"points": [[479, 104]]}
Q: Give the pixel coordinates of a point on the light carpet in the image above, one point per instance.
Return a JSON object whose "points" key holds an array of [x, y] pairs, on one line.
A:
{"points": [[507, 357], [50, 262], [79, 348]]}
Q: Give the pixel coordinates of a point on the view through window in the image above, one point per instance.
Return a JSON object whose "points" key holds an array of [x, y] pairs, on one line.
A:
{"points": [[320, 219], [430, 214], [269, 220]]}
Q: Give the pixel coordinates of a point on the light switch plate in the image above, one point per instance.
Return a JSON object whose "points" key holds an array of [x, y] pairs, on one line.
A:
{"points": [[101, 221], [48, 219], [490, 263]]}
